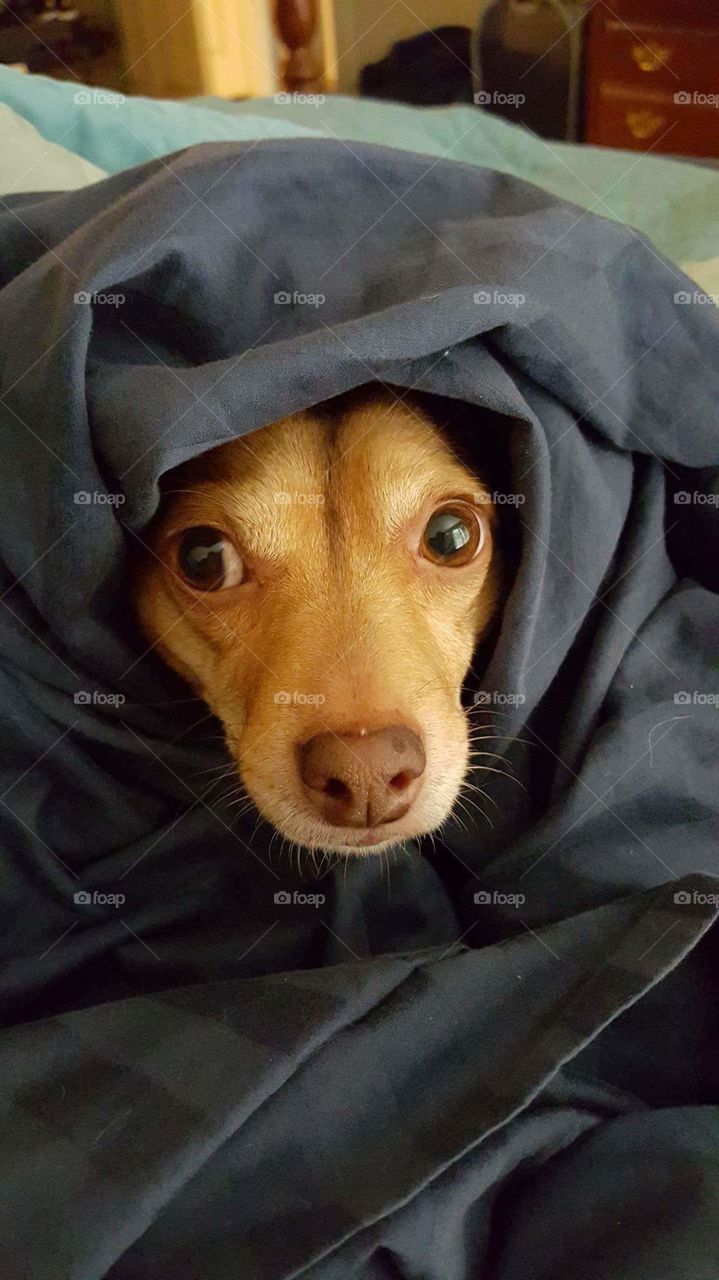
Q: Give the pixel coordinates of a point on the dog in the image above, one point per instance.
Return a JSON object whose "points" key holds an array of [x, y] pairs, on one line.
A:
{"points": [[322, 583]]}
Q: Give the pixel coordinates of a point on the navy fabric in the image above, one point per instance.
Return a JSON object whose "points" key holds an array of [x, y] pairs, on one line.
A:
{"points": [[503, 1064]]}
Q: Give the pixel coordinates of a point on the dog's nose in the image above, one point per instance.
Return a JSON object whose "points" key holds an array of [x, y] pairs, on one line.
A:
{"points": [[363, 779]]}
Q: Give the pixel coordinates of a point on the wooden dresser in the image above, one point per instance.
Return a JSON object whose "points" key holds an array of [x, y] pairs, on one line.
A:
{"points": [[652, 76]]}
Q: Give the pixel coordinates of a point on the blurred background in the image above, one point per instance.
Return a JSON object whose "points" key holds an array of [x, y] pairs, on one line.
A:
{"points": [[633, 74]]}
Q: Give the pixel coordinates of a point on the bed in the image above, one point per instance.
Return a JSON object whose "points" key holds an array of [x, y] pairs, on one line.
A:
{"points": [[506, 1066], [673, 202]]}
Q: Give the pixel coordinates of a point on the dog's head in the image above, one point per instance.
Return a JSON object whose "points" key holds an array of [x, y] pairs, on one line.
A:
{"points": [[322, 584]]}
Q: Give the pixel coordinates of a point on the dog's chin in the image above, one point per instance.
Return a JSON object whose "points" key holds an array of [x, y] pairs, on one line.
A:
{"points": [[357, 842], [363, 842], [300, 828]]}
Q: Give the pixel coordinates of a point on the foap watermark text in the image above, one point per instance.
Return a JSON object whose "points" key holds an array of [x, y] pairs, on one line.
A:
{"points": [[283, 898], [283, 698], [500, 499], [696, 99], [83, 298], [95, 698], [295, 298], [301, 499], [85, 899], [685, 499], [98, 98], [299, 99], [495, 98], [499, 297], [485, 698], [487, 898], [695, 699], [96, 498], [683, 898], [685, 298]]}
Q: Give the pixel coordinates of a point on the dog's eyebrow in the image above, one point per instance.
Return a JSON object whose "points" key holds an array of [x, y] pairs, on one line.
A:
{"points": [[311, 476]]}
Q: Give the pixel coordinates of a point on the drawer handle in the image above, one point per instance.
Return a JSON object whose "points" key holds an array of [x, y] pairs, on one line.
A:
{"points": [[651, 56], [643, 124]]}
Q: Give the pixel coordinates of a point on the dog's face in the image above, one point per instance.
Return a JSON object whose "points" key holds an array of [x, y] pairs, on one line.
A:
{"points": [[322, 584]]}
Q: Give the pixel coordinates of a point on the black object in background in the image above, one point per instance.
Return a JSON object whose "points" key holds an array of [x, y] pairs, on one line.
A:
{"points": [[532, 50], [432, 69], [50, 40]]}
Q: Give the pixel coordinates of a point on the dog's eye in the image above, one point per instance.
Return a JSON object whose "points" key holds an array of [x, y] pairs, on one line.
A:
{"points": [[453, 535], [207, 559]]}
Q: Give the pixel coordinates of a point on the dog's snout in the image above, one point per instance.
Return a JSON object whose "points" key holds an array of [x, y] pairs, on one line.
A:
{"points": [[363, 779]]}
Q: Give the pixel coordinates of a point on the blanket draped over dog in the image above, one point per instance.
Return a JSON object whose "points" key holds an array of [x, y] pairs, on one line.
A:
{"points": [[503, 1060]]}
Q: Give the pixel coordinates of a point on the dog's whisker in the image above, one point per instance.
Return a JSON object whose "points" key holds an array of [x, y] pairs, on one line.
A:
{"points": [[488, 768], [501, 737], [472, 787], [463, 801], [431, 836], [206, 795], [256, 827], [215, 768], [166, 493], [479, 734], [236, 791], [484, 711], [243, 800], [210, 787]]}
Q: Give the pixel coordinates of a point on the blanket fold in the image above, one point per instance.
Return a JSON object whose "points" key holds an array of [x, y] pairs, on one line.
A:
{"points": [[503, 1063]]}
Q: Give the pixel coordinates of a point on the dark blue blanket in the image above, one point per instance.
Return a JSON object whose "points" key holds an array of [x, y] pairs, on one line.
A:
{"points": [[506, 1066]]}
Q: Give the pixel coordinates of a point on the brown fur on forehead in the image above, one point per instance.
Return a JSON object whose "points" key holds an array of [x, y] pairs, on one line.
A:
{"points": [[339, 603], [371, 468]]}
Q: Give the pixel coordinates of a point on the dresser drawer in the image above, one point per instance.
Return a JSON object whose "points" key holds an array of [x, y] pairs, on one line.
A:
{"points": [[648, 56], [652, 78], [618, 116]]}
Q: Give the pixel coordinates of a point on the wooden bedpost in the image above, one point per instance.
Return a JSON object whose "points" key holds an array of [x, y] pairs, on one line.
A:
{"points": [[297, 24]]}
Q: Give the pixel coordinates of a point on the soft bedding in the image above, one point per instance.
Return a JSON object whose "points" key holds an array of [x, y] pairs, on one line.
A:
{"points": [[672, 202], [28, 160], [503, 1064]]}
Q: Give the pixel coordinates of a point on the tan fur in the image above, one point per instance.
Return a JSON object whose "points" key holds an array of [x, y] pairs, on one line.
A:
{"points": [[340, 604]]}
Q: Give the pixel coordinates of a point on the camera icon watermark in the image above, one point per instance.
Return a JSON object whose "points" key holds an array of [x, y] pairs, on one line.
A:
{"points": [[499, 297], [96, 498], [298, 99], [683, 898], [285, 499], [684, 499], [97, 98], [499, 499], [696, 99], [695, 699], [495, 98], [84, 899], [295, 298], [283, 898], [498, 698], [283, 698], [95, 698], [85, 299], [485, 898], [683, 298]]}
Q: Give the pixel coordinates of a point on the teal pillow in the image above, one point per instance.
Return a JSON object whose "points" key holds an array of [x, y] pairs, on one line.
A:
{"points": [[672, 202], [116, 132]]}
